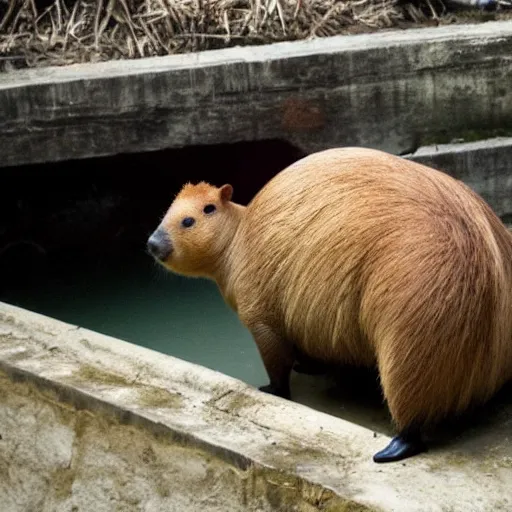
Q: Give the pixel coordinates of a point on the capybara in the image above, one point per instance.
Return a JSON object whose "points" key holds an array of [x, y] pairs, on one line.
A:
{"points": [[357, 256]]}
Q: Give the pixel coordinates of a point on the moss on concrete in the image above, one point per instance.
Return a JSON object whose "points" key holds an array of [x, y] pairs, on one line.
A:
{"points": [[62, 481], [469, 135], [338, 505], [95, 374], [152, 396], [287, 492], [455, 460], [495, 461], [449, 461], [295, 455], [458, 461], [148, 396], [235, 402]]}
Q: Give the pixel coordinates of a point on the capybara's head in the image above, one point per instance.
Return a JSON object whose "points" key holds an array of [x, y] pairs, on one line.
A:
{"points": [[194, 232]]}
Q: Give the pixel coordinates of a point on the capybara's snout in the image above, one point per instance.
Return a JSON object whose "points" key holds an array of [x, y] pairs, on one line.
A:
{"points": [[159, 245]]}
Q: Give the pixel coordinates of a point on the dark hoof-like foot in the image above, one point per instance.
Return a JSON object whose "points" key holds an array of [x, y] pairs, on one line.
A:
{"points": [[309, 368], [400, 448], [272, 390]]}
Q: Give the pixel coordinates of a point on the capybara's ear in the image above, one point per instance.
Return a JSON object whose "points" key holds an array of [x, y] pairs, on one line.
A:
{"points": [[226, 193]]}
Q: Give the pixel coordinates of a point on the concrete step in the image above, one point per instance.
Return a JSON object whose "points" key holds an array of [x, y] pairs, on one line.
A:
{"points": [[484, 165]]}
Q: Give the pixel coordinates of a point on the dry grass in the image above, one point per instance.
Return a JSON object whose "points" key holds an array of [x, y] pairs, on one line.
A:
{"points": [[58, 32]]}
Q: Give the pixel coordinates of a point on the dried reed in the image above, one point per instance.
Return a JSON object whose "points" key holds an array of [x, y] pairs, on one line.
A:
{"points": [[59, 32]]}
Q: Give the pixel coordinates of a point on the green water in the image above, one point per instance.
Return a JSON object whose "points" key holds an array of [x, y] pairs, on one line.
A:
{"points": [[138, 301]]}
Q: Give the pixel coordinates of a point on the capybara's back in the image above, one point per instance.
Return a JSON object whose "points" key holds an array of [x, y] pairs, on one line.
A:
{"points": [[357, 256], [367, 258]]}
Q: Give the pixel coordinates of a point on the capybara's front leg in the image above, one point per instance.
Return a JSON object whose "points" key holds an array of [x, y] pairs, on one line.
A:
{"points": [[277, 356], [406, 444]]}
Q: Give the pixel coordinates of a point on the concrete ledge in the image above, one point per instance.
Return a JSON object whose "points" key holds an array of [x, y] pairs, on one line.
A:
{"points": [[89, 422], [392, 90], [485, 166]]}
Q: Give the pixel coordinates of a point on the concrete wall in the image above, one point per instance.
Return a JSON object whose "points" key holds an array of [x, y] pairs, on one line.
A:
{"points": [[394, 90], [485, 166], [91, 423], [57, 457]]}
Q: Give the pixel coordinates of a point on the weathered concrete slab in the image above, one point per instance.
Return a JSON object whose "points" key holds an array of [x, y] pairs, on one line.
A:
{"points": [[88, 422], [391, 90], [485, 166]]}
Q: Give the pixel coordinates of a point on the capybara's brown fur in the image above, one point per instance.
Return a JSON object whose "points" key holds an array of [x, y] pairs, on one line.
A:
{"points": [[357, 256]]}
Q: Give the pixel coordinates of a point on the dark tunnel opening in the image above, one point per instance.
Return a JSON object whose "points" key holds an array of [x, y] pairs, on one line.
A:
{"points": [[103, 207]]}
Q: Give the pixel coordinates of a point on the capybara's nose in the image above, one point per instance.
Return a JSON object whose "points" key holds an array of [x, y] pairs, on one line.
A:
{"points": [[159, 245]]}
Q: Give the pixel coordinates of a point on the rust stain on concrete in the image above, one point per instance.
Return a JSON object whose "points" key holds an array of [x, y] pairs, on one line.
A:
{"points": [[302, 115]]}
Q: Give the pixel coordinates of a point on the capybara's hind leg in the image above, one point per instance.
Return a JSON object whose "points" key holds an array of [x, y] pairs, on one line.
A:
{"points": [[277, 356], [405, 397], [406, 444]]}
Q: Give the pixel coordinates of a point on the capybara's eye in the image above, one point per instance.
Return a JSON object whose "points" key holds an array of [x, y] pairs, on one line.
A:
{"points": [[187, 222], [209, 208]]}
